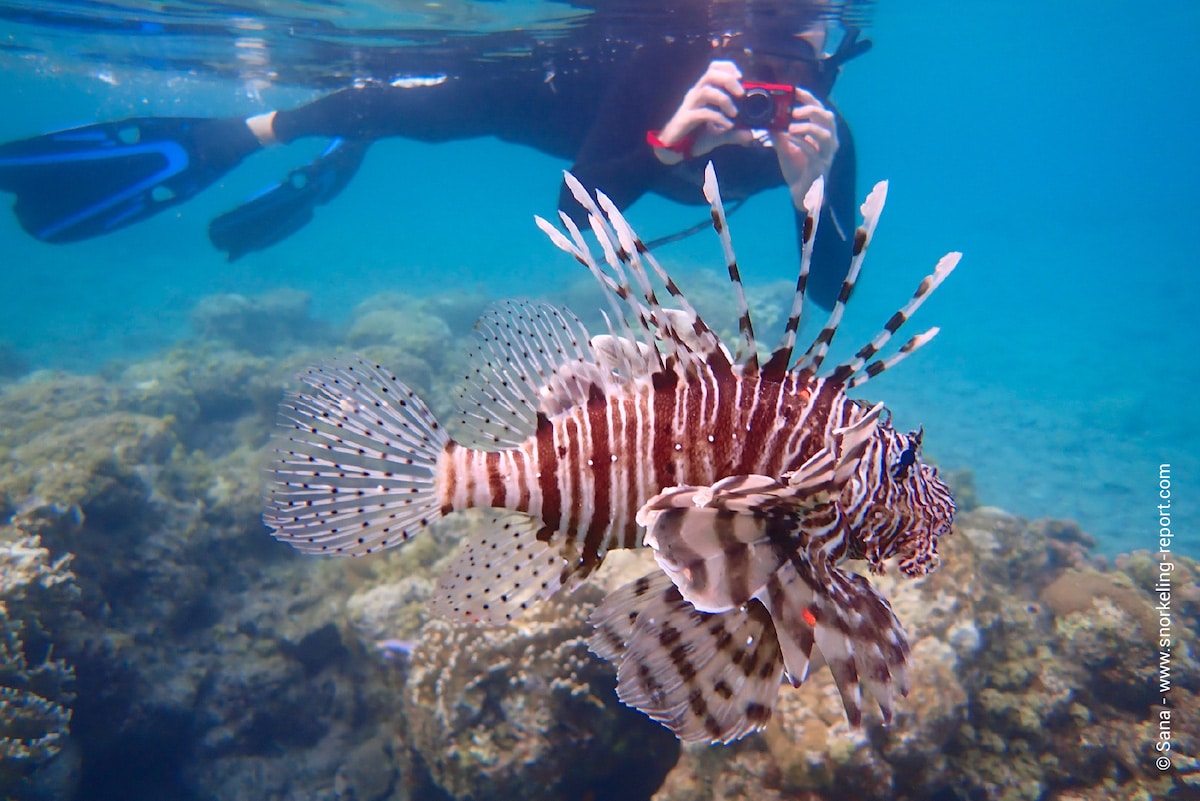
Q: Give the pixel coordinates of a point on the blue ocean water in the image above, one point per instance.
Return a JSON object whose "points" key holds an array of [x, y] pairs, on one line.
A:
{"points": [[1051, 143]]}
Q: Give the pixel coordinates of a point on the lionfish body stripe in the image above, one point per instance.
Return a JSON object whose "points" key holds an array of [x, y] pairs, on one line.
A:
{"points": [[596, 464], [751, 482]]}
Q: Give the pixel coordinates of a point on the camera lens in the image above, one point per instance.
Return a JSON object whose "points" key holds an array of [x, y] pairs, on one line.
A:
{"points": [[756, 109]]}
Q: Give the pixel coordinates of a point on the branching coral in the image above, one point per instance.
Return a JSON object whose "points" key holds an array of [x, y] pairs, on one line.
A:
{"points": [[35, 687]]}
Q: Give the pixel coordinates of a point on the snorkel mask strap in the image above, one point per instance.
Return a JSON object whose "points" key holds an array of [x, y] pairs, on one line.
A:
{"points": [[850, 47]]}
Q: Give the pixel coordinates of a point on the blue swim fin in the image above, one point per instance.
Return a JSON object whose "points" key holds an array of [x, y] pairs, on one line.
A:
{"points": [[284, 208], [89, 181]]}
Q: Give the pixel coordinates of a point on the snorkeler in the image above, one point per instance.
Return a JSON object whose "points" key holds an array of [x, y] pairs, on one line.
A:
{"points": [[756, 104]]}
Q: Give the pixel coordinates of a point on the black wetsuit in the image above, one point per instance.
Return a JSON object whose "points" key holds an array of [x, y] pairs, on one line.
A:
{"points": [[596, 113]]}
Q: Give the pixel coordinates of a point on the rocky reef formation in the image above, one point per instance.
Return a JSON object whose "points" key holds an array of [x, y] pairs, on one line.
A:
{"points": [[205, 657], [155, 642], [527, 712], [273, 322]]}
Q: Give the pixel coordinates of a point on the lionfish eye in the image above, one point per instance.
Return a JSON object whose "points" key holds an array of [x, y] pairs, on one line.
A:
{"points": [[908, 456]]}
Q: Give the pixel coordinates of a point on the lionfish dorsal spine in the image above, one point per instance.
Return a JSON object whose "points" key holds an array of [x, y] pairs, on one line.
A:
{"points": [[747, 351], [683, 328], [928, 284], [879, 365], [618, 254], [615, 292], [777, 364], [686, 341], [810, 362]]}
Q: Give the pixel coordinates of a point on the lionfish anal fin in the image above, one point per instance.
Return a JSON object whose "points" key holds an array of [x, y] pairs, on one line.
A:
{"points": [[499, 571]]}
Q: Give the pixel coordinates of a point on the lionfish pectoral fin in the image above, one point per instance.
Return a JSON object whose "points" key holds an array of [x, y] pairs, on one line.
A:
{"points": [[849, 624], [707, 677], [501, 570], [816, 474], [720, 544], [787, 599], [828, 469]]}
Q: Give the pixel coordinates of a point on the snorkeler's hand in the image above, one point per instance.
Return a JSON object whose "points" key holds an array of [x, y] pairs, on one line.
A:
{"points": [[707, 111], [806, 150]]}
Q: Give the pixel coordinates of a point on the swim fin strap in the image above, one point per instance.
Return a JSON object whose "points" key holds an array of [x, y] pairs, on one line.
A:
{"points": [[88, 181], [284, 208]]}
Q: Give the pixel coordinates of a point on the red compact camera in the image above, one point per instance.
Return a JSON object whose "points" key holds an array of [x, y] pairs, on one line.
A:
{"points": [[765, 105]]}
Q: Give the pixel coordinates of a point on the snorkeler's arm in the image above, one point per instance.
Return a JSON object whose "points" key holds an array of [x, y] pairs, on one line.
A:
{"points": [[624, 179], [703, 120], [615, 156]]}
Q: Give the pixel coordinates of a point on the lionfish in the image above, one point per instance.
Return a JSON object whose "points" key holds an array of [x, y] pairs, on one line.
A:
{"points": [[751, 480]]}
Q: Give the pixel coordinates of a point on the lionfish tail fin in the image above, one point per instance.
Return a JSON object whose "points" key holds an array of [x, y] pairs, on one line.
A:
{"points": [[707, 677], [356, 463]]}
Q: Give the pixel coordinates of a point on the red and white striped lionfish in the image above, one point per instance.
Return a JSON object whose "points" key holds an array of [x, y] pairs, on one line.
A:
{"points": [[751, 480]]}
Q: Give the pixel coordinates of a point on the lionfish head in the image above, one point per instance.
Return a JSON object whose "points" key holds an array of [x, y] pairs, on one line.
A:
{"points": [[910, 509]]}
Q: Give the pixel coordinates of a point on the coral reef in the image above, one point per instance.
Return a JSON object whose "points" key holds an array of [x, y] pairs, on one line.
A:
{"points": [[208, 661], [272, 322], [12, 364], [155, 643], [37, 598], [526, 712]]}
